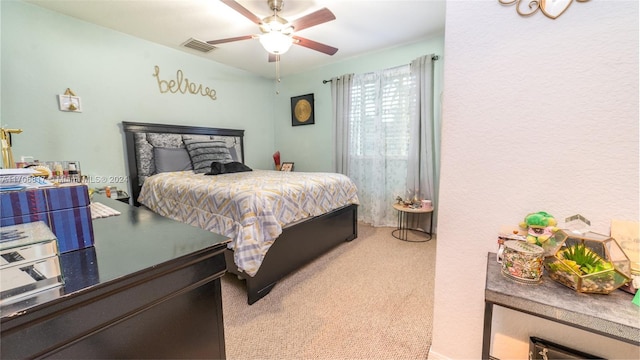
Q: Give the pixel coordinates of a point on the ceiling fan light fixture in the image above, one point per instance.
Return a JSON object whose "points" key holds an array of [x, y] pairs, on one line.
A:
{"points": [[278, 34], [276, 42], [275, 23]]}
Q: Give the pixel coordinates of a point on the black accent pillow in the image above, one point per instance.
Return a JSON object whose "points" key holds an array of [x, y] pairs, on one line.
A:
{"points": [[227, 168], [204, 151]]}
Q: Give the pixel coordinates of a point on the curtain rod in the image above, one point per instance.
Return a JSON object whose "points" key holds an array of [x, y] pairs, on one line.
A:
{"points": [[434, 58]]}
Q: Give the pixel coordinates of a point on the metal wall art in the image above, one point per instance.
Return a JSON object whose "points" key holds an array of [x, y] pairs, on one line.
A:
{"points": [[302, 110], [551, 8], [182, 85]]}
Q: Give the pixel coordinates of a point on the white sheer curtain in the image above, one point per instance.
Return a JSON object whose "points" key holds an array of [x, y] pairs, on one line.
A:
{"points": [[341, 95], [421, 172], [379, 141], [385, 139]]}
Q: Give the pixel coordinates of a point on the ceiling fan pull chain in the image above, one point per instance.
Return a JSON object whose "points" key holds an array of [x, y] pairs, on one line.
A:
{"points": [[277, 74]]}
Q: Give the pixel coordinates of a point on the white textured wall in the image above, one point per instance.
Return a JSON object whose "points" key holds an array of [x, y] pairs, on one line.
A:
{"points": [[538, 114]]}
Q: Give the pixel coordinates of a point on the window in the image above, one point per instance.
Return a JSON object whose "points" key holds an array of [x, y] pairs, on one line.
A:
{"points": [[380, 110], [379, 119]]}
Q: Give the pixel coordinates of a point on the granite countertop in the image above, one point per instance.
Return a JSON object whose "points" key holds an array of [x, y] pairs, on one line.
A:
{"points": [[612, 315]]}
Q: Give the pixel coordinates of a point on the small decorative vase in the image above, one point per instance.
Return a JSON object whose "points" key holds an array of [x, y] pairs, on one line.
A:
{"points": [[522, 261]]}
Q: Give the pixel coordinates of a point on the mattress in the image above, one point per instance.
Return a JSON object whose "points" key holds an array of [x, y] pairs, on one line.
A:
{"points": [[251, 208]]}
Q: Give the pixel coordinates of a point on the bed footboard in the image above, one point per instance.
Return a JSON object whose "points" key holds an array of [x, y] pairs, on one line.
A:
{"points": [[297, 246]]}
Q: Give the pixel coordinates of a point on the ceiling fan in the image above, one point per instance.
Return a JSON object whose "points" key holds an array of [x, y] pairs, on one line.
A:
{"points": [[278, 33]]}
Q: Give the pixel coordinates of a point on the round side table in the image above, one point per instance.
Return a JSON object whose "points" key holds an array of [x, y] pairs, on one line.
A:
{"points": [[408, 218]]}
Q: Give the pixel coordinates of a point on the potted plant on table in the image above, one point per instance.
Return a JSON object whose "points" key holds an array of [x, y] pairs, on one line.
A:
{"points": [[589, 263]]}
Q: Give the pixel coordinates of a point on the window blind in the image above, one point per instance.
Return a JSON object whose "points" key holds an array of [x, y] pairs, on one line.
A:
{"points": [[380, 113]]}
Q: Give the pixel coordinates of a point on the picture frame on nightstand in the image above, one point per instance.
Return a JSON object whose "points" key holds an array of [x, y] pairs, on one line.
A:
{"points": [[286, 166]]}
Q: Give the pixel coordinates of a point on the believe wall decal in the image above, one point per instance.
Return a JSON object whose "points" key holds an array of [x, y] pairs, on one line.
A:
{"points": [[183, 85]]}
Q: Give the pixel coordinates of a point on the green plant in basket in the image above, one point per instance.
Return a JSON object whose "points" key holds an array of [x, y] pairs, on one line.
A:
{"points": [[583, 260], [586, 264]]}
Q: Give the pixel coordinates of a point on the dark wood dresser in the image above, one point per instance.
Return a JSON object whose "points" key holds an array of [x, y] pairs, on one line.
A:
{"points": [[149, 288]]}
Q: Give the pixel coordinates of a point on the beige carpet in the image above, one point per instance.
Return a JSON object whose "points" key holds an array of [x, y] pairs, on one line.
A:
{"points": [[366, 299]]}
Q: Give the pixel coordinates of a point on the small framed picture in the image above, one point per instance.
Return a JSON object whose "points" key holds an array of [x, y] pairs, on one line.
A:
{"points": [[286, 166], [69, 103]]}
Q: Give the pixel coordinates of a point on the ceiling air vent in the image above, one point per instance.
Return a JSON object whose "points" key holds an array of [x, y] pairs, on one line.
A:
{"points": [[198, 45]]}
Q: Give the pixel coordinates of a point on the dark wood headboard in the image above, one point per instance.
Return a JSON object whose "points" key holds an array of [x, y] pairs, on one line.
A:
{"points": [[133, 130]]}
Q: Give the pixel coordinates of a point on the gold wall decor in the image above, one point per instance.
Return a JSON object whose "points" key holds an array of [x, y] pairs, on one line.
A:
{"points": [[183, 85], [302, 110], [550, 8], [69, 101]]}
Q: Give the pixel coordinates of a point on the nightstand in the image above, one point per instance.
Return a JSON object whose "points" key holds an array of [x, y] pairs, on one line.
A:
{"points": [[408, 220]]}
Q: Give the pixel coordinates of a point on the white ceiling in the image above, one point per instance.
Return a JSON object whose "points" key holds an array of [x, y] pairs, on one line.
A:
{"points": [[361, 26]]}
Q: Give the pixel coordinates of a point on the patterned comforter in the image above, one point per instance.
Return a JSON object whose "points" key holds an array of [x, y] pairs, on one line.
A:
{"points": [[251, 208]]}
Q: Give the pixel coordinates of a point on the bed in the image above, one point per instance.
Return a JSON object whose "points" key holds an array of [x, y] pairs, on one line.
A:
{"points": [[265, 245]]}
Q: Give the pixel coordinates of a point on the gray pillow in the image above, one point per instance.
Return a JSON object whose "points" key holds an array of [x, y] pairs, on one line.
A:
{"points": [[171, 159], [203, 152]]}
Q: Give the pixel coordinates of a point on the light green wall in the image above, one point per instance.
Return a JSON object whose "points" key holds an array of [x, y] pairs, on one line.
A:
{"points": [[44, 53], [310, 147]]}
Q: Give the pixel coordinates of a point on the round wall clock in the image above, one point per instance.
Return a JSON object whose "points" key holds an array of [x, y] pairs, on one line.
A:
{"points": [[302, 110]]}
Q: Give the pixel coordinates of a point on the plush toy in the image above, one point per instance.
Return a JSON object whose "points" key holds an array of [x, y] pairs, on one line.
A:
{"points": [[540, 226]]}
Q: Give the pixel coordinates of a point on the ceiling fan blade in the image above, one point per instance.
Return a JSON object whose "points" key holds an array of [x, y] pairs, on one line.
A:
{"points": [[222, 41], [242, 10], [315, 18], [329, 50]]}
